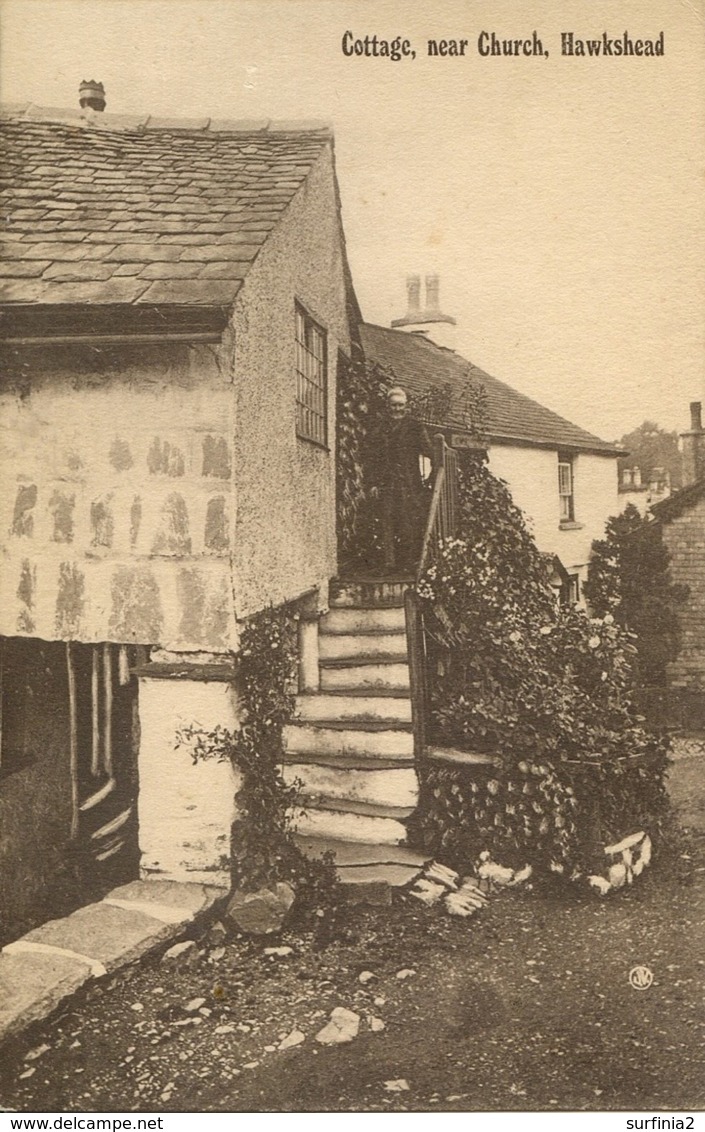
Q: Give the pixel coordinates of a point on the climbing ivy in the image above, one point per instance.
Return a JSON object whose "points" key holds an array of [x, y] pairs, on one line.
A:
{"points": [[362, 390], [362, 393]]}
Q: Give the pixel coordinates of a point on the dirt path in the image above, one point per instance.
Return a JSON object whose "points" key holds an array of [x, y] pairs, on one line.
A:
{"points": [[527, 1006]]}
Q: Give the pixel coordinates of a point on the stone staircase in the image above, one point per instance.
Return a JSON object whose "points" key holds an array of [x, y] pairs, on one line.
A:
{"points": [[351, 745]]}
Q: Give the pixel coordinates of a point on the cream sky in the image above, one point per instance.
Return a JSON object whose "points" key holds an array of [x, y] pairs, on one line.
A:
{"points": [[560, 200]]}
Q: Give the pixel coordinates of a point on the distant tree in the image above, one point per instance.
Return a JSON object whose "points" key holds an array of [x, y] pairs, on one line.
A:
{"points": [[629, 578], [651, 447]]}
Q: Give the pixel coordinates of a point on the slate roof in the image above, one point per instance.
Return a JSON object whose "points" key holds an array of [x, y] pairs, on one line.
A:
{"points": [[419, 365], [106, 209], [678, 503]]}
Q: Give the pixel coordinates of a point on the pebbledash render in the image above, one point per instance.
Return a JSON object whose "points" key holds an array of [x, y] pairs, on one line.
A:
{"points": [[175, 301]]}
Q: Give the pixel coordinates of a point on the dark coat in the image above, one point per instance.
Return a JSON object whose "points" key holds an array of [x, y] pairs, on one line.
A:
{"points": [[396, 447], [395, 450]]}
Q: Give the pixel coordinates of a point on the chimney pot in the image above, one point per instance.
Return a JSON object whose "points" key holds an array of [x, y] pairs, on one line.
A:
{"points": [[432, 293], [92, 94], [413, 293], [696, 416]]}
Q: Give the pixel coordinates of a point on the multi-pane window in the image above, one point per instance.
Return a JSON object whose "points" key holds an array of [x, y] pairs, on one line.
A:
{"points": [[311, 379], [565, 489]]}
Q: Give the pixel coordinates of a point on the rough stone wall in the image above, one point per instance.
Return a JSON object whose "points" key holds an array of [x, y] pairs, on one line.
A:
{"points": [[532, 476], [116, 510], [146, 502], [285, 530], [684, 537], [37, 878]]}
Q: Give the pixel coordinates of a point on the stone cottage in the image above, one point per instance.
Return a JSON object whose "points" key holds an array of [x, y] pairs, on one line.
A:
{"points": [[175, 301], [682, 522], [563, 478]]}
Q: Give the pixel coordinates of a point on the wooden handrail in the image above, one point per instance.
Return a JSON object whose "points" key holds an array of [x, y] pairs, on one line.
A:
{"points": [[440, 524], [441, 520]]}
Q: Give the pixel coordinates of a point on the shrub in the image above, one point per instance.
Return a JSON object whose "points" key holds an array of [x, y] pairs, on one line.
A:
{"points": [[628, 578], [546, 690]]}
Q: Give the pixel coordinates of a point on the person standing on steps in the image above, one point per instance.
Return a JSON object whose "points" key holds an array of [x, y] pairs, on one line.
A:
{"points": [[398, 445]]}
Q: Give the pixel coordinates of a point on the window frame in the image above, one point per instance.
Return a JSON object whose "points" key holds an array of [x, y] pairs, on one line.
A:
{"points": [[311, 419], [566, 461], [570, 593]]}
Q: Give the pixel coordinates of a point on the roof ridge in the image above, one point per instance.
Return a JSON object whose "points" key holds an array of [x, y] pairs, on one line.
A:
{"points": [[672, 507], [84, 118], [476, 373]]}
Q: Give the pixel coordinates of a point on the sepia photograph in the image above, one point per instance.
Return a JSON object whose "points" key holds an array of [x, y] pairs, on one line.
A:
{"points": [[352, 570]]}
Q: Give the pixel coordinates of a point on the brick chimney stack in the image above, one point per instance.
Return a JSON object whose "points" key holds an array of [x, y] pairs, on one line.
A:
{"points": [[91, 94], [693, 446]]}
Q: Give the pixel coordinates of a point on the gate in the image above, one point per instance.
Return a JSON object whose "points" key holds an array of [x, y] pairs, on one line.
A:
{"points": [[104, 738]]}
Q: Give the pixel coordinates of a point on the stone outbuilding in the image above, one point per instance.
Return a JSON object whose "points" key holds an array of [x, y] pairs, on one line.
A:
{"points": [[175, 300]]}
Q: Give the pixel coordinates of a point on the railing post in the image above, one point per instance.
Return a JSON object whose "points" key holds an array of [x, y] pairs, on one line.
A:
{"points": [[441, 524], [417, 671]]}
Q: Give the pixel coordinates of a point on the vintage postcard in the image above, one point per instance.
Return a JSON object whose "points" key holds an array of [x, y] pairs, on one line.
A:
{"points": [[352, 585]]}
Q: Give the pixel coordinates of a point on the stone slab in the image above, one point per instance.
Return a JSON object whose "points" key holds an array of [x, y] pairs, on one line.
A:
{"points": [[33, 985], [111, 935], [154, 896], [45, 967], [368, 593], [347, 853], [394, 876], [461, 758]]}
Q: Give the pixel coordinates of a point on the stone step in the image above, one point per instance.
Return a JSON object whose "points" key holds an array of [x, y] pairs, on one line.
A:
{"points": [[366, 809], [371, 646], [358, 709], [322, 784], [390, 743], [344, 762], [374, 677], [368, 593], [357, 854], [341, 826], [353, 620], [358, 725]]}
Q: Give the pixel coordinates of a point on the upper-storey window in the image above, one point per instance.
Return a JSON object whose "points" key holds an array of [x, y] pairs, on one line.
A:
{"points": [[566, 488], [311, 379]]}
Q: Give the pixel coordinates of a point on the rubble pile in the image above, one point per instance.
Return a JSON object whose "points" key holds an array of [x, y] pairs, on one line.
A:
{"points": [[464, 896], [626, 860]]}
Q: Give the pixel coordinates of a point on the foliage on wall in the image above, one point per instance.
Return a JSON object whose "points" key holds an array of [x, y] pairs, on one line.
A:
{"points": [[628, 578], [546, 690], [362, 391]]}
